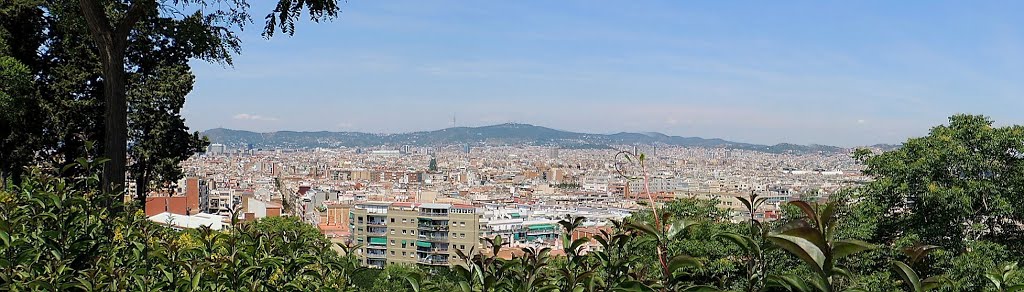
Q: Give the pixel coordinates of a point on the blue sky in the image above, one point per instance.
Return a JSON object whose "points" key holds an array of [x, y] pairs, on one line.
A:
{"points": [[828, 72]]}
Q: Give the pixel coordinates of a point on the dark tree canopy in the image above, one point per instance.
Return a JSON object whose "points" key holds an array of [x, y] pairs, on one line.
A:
{"points": [[962, 182]]}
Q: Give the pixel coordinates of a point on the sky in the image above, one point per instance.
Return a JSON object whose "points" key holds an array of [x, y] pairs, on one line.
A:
{"points": [[825, 72]]}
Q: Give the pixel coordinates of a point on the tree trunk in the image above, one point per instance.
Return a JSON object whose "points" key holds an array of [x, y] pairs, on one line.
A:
{"points": [[111, 40], [115, 134], [142, 187]]}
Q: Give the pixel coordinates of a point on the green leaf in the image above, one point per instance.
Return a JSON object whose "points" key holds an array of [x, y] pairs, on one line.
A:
{"points": [[414, 281], [803, 249], [645, 228], [810, 234], [908, 275], [742, 241], [681, 261], [843, 248], [789, 282], [934, 282], [195, 281], [809, 212], [678, 226]]}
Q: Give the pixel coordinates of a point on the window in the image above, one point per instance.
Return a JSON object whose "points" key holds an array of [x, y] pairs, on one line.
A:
{"points": [[392, 231], [403, 253], [403, 220], [403, 231], [392, 242], [392, 252], [392, 220], [462, 246], [462, 235]]}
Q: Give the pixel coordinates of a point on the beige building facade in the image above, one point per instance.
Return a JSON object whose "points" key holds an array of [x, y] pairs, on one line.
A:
{"points": [[413, 233]]}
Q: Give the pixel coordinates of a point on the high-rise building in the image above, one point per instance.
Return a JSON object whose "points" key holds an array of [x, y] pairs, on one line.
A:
{"points": [[413, 233], [215, 149]]}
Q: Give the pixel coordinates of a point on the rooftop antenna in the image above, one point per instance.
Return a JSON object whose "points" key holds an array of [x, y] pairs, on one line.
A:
{"points": [[453, 121]]}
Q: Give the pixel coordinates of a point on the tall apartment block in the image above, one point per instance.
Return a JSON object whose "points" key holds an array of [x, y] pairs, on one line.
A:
{"points": [[413, 233]]}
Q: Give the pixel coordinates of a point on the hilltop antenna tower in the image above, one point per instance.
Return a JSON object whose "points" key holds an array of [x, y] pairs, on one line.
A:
{"points": [[453, 121]]}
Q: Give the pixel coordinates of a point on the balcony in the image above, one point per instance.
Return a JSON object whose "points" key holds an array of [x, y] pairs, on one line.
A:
{"points": [[376, 231], [376, 223], [435, 249], [433, 214], [380, 241], [542, 232], [433, 227], [432, 261], [433, 238], [376, 263], [376, 255]]}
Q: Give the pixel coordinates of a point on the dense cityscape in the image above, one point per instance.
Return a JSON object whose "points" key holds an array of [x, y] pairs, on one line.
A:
{"points": [[353, 195]]}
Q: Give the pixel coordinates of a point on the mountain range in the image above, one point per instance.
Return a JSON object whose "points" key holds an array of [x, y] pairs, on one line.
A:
{"points": [[502, 134]]}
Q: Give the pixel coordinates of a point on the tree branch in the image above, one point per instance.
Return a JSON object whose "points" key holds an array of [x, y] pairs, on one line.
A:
{"points": [[97, 21], [134, 14]]}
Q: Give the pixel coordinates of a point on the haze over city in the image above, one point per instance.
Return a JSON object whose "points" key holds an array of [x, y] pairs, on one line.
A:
{"points": [[828, 73]]}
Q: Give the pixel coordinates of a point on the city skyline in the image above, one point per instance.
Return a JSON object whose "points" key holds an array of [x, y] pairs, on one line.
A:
{"points": [[825, 73]]}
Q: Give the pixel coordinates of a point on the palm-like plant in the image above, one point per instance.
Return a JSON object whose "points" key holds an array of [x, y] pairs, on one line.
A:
{"points": [[911, 278], [662, 232], [754, 244], [479, 271], [673, 268], [575, 275], [528, 270], [620, 266], [1000, 277], [810, 239]]}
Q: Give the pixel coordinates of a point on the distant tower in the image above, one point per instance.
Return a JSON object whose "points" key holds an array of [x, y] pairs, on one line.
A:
{"points": [[553, 154], [454, 124]]}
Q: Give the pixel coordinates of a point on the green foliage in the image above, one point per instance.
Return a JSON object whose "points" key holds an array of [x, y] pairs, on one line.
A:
{"points": [[957, 184], [953, 188], [56, 237]]}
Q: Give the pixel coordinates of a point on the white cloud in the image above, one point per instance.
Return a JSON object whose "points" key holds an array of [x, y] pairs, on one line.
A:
{"points": [[253, 117], [861, 121]]}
